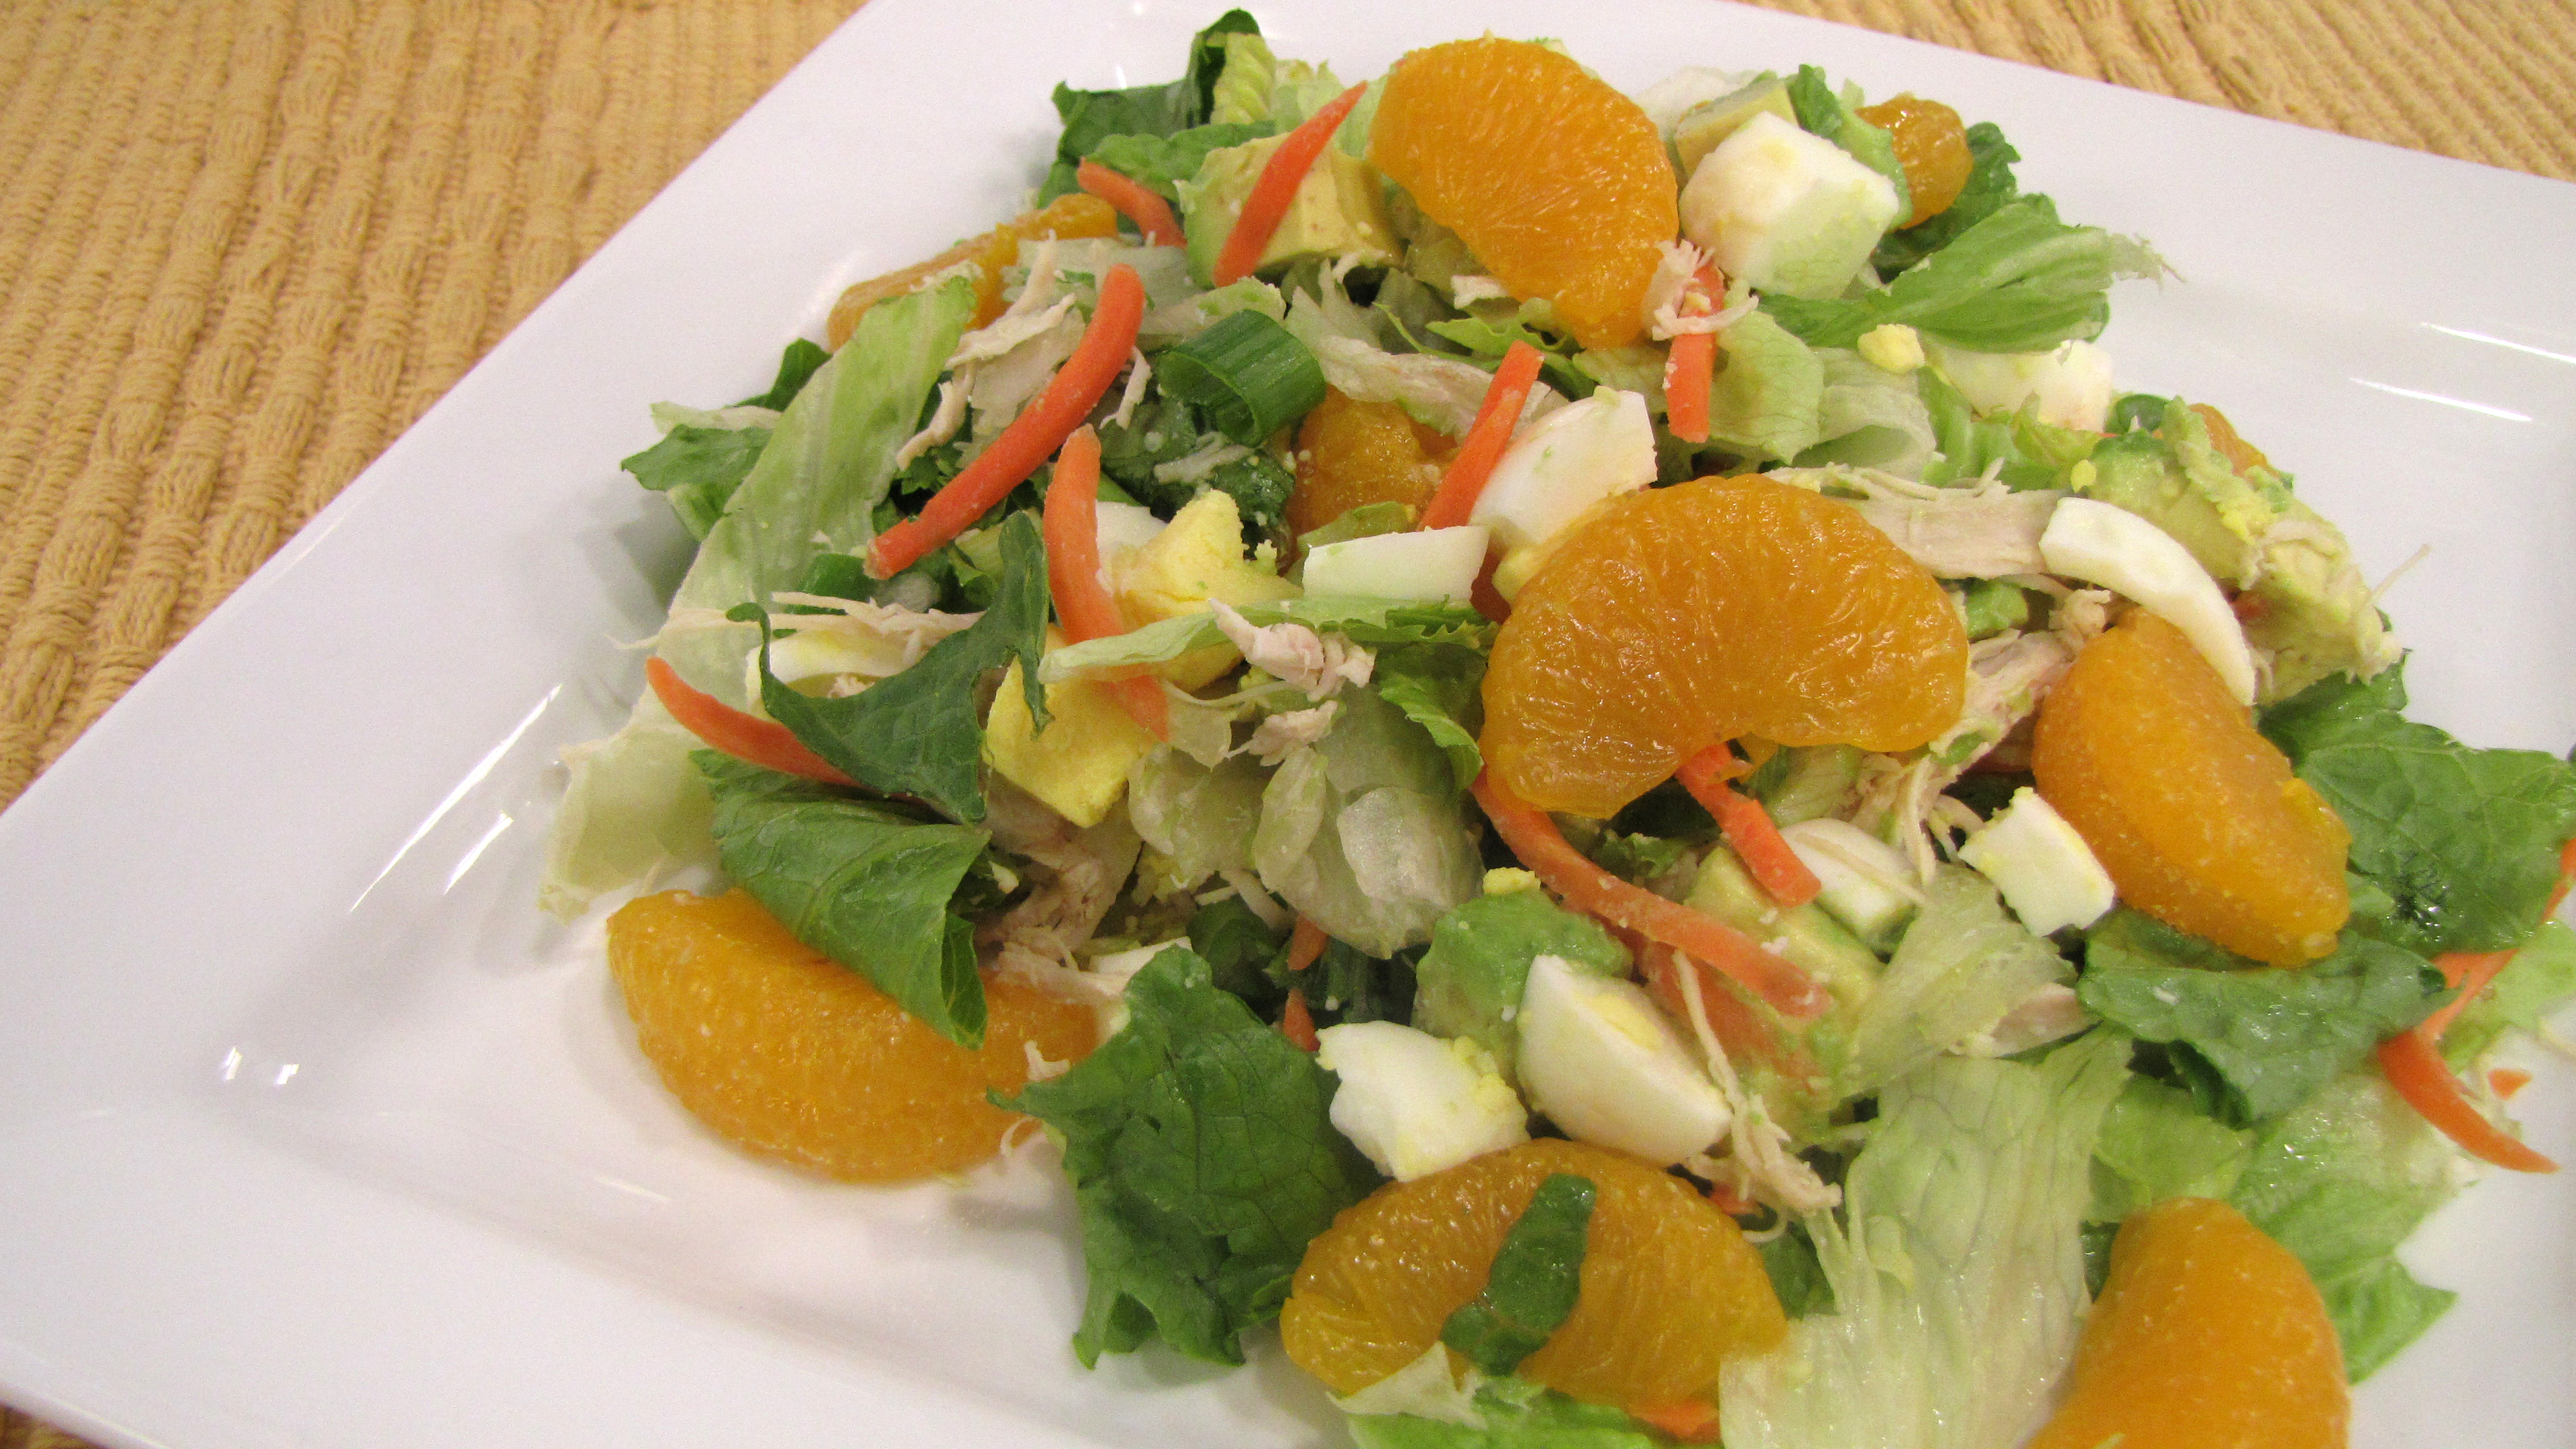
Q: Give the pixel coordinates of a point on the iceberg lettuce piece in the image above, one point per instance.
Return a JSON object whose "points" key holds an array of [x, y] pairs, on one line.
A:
{"points": [[1766, 399], [1201, 816], [1963, 963], [1373, 622], [1957, 1268]]}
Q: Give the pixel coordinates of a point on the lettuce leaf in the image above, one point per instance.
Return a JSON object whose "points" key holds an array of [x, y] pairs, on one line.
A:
{"points": [[1957, 1273], [865, 885], [1437, 687], [1162, 162], [1821, 112], [1961, 965], [1203, 1160], [1202, 817], [1512, 1414], [2466, 840], [1766, 399], [1990, 185], [1374, 622], [1536, 1277], [2539, 979], [2157, 1144], [1092, 117], [697, 469]]}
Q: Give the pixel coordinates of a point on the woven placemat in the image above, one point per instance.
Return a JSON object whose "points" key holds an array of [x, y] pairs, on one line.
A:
{"points": [[243, 243]]}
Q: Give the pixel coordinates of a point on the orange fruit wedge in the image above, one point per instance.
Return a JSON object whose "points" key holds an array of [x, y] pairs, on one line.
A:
{"points": [[1351, 453], [1676, 618], [2195, 815], [789, 1054], [1068, 217], [1670, 1288], [1558, 183], [2209, 1335]]}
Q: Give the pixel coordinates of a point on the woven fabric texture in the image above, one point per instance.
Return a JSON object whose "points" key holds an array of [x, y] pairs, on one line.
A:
{"points": [[243, 243]]}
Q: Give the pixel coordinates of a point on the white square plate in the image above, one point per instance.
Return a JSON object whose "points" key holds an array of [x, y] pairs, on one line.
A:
{"points": [[314, 1132]]}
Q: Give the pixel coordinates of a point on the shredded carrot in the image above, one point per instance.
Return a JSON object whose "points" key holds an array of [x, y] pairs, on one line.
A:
{"points": [[1276, 189], [1134, 200], [1298, 1024], [1305, 944], [1748, 828], [763, 742], [2414, 1066], [1736, 1023], [1032, 437], [1072, 526], [1692, 365], [1692, 1421], [2506, 1081], [1730, 1202], [1587, 887], [1487, 438]]}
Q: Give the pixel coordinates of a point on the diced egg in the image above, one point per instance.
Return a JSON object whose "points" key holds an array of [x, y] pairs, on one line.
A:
{"points": [[1432, 563], [2104, 544], [2048, 875], [1415, 1103], [1865, 884], [822, 653], [1122, 526], [1602, 1061], [2072, 383], [1563, 464], [1786, 211]]}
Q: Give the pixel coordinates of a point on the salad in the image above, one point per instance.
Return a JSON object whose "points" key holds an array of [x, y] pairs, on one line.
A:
{"points": [[1574, 744]]}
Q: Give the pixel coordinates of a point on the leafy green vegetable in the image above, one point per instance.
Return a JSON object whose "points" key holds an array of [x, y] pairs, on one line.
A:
{"points": [[1347, 984], [1436, 685], [1765, 399], [1637, 859], [2466, 840], [1256, 86], [1796, 1276], [863, 884], [1470, 981], [2540, 979], [2251, 1043], [2157, 1144], [796, 367], [1203, 1161], [1092, 117], [1163, 161], [1822, 113], [1509, 1414], [2341, 1182], [2018, 281], [1201, 816], [1536, 1277], [1240, 951], [1990, 185], [1246, 374], [1374, 622], [698, 470], [918, 733], [1963, 963]]}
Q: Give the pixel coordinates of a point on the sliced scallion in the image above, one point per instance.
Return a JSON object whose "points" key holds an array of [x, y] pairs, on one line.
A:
{"points": [[1247, 374]]}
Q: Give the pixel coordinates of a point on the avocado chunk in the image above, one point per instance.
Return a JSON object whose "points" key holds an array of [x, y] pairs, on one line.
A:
{"points": [[1469, 983], [2311, 610], [1337, 212], [1704, 125], [1804, 936]]}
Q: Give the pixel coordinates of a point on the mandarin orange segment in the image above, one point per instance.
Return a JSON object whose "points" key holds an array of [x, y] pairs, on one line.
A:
{"points": [[1670, 1288], [2195, 815], [1931, 146], [1351, 453], [789, 1054], [1078, 215], [2240, 454], [1676, 618], [1558, 183], [2209, 1335]]}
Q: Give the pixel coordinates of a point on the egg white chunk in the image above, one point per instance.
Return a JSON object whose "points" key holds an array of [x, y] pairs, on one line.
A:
{"points": [[1786, 211], [2072, 384], [2048, 875], [1430, 564], [2104, 544], [1602, 1061], [1415, 1103], [1865, 884], [1563, 464]]}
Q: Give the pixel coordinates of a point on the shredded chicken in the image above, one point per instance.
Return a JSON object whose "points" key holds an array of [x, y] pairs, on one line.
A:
{"points": [[1674, 307], [1277, 734], [1319, 664], [1464, 289], [943, 424], [1077, 875], [1138, 374], [1758, 1163], [1985, 531], [1196, 467], [2008, 675]]}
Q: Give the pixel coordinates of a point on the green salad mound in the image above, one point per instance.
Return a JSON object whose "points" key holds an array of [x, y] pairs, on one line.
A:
{"points": [[1935, 1167]]}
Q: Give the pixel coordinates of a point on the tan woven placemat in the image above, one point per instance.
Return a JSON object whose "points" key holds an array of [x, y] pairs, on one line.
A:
{"points": [[243, 243]]}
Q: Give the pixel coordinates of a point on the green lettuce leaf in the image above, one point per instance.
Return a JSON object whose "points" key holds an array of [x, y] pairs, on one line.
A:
{"points": [[1163, 162], [1202, 817], [2251, 1042], [2156, 1144], [1821, 112], [1537, 1275], [697, 469], [1961, 965], [918, 733], [2341, 1182], [1990, 186], [1510, 1414], [2466, 840], [1469, 983], [1091, 117], [2018, 281], [1766, 399], [2539, 979], [1437, 686], [868, 886], [1203, 1160], [1377, 623], [797, 365]]}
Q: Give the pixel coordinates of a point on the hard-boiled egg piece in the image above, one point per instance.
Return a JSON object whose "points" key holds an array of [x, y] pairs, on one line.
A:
{"points": [[2072, 383], [2102, 543], [1602, 1061], [1786, 211], [2048, 875], [1432, 563], [1563, 464], [1415, 1103], [1120, 527], [1865, 884]]}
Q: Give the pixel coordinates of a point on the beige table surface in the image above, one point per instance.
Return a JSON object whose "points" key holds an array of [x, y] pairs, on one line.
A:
{"points": [[243, 243]]}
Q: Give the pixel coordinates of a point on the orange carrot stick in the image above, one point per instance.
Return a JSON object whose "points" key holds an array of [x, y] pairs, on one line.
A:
{"points": [[1298, 1024], [1305, 944], [2505, 1081], [1032, 437], [1272, 194], [1587, 887], [1748, 828], [1487, 438], [763, 742], [1692, 365], [1135, 201], [2414, 1066], [1692, 1421], [1072, 525]]}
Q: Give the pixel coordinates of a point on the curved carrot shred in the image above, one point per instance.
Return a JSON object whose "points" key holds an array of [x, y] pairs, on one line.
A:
{"points": [[1487, 438], [1298, 1024], [1071, 523], [1135, 201], [1305, 944], [765, 743], [1692, 1421], [2414, 1066], [1268, 204], [1032, 437], [2506, 1081], [1692, 365], [1587, 887], [1748, 828], [1736, 1023]]}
